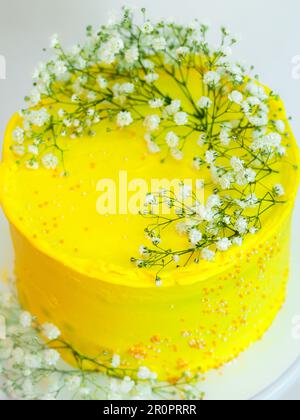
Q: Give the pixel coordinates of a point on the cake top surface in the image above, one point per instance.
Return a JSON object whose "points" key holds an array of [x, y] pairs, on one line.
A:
{"points": [[61, 214], [80, 163]]}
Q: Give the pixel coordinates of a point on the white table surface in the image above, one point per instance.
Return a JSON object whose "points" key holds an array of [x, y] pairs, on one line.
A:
{"points": [[269, 32]]}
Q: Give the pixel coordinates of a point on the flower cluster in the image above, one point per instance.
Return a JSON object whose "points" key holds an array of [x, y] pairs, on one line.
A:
{"points": [[31, 367], [116, 76], [122, 75]]}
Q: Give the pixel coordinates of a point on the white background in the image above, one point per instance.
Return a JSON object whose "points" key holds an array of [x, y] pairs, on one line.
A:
{"points": [[269, 31]]}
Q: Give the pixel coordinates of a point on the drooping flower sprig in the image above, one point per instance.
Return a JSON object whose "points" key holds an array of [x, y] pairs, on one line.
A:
{"points": [[31, 367], [166, 78], [211, 228]]}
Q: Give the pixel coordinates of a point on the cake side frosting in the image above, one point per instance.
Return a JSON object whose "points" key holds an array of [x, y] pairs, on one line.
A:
{"points": [[170, 330]]}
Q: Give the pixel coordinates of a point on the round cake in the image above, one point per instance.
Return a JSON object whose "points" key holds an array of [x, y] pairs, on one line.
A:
{"points": [[78, 267]]}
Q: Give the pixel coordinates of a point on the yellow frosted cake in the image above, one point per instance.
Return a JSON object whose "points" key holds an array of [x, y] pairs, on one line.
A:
{"points": [[201, 292]]}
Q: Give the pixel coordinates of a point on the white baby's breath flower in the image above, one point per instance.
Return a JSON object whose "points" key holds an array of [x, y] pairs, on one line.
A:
{"points": [[176, 258], [144, 373], [182, 228], [237, 164], [213, 200], [259, 120], [211, 78], [172, 140], [61, 113], [177, 154], [236, 97], [90, 112], [259, 133], [195, 236], [159, 43], [173, 108], [39, 118], [25, 319], [148, 64], [223, 244], [250, 175], [132, 55], [54, 41], [19, 150], [34, 150], [140, 263], [116, 44], [227, 220], [156, 241], [32, 164], [238, 240], [207, 254], [237, 73], [75, 98], [181, 118], [279, 190], [226, 181], [150, 199], [274, 139], [254, 89], [210, 156], [202, 140], [106, 55], [152, 122], [127, 385], [34, 97], [50, 331], [153, 147], [124, 119], [197, 163], [67, 122], [182, 51], [151, 77], [267, 142], [50, 161], [204, 102], [51, 357], [33, 361], [280, 126], [156, 103], [147, 28], [144, 251], [116, 361], [59, 68], [225, 137], [102, 82], [127, 88], [185, 192], [241, 225], [281, 151]]}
